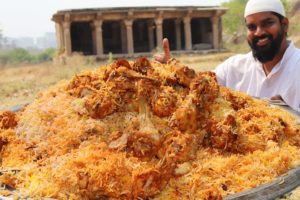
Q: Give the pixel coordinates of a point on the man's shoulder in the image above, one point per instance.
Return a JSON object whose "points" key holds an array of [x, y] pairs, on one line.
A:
{"points": [[238, 61], [236, 65], [293, 53], [291, 59], [241, 57], [232, 70], [297, 52]]}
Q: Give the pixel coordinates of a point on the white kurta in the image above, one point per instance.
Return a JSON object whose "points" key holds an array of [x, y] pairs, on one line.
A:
{"points": [[244, 73]]}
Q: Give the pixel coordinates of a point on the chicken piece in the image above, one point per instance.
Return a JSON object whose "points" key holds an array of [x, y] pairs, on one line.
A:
{"points": [[145, 141], [185, 75], [114, 70], [83, 180], [174, 73], [258, 127], [119, 141], [212, 193], [142, 65], [80, 80], [83, 84], [123, 71], [100, 105], [204, 89], [123, 84], [123, 68], [165, 72], [121, 63], [125, 80], [223, 135], [185, 117], [120, 79], [291, 132], [8, 180], [164, 103], [3, 142], [143, 145], [147, 183], [147, 88], [237, 102], [183, 169], [178, 147], [8, 120]]}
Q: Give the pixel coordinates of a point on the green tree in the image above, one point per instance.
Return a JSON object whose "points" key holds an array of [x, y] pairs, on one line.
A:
{"points": [[19, 55], [22, 56], [286, 5], [46, 55], [233, 20]]}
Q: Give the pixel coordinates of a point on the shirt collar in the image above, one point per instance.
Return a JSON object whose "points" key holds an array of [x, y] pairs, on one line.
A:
{"points": [[285, 58]]}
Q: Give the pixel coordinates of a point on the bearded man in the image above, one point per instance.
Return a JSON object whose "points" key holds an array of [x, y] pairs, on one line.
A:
{"points": [[272, 69]]}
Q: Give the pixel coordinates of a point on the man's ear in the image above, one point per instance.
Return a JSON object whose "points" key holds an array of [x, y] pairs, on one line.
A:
{"points": [[285, 24]]}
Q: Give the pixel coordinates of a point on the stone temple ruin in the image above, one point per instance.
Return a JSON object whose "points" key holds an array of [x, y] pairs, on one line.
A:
{"points": [[134, 31]]}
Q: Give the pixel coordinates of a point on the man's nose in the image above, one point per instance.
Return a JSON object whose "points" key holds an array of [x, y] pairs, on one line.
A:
{"points": [[259, 31]]}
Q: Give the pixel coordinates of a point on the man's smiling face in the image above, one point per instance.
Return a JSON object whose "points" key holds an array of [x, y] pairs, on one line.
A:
{"points": [[265, 34]]}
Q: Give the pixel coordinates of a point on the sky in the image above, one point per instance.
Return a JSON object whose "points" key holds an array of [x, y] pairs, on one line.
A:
{"points": [[32, 18]]}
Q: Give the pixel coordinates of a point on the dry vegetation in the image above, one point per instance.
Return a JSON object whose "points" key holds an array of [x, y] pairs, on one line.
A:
{"points": [[20, 84]]}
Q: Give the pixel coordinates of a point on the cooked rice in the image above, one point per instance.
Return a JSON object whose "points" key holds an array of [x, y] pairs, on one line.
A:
{"points": [[144, 130]]}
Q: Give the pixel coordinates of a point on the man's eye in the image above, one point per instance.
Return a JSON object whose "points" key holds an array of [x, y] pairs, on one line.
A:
{"points": [[251, 27], [268, 23]]}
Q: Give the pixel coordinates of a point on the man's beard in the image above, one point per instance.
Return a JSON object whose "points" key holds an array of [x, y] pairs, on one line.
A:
{"points": [[268, 52]]}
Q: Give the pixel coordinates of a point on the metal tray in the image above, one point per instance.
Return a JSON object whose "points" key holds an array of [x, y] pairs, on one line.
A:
{"points": [[269, 191]]}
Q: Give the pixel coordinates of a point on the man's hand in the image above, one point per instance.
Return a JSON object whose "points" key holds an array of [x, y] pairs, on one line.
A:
{"points": [[277, 100], [277, 97], [166, 55]]}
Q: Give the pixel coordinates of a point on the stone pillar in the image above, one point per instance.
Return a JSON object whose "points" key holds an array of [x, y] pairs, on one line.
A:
{"points": [[123, 38], [215, 30], [150, 35], [99, 38], [178, 34], [59, 36], [187, 32], [67, 38], [159, 32], [128, 24], [220, 33]]}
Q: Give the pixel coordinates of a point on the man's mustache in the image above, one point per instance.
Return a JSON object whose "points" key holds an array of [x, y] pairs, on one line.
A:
{"points": [[256, 39]]}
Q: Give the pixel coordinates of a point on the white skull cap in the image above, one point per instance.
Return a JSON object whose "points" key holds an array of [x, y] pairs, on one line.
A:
{"points": [[257, 6]]}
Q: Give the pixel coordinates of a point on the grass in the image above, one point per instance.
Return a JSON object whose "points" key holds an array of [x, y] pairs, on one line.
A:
{"points": [[203, 62], [20, 84]]}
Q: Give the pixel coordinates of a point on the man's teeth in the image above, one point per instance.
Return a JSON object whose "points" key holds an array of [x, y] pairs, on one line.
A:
{"points": [[262, 41]]}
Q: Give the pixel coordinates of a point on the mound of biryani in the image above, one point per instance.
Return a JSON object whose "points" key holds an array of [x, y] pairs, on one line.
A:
{"points": [[144, 130]]}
